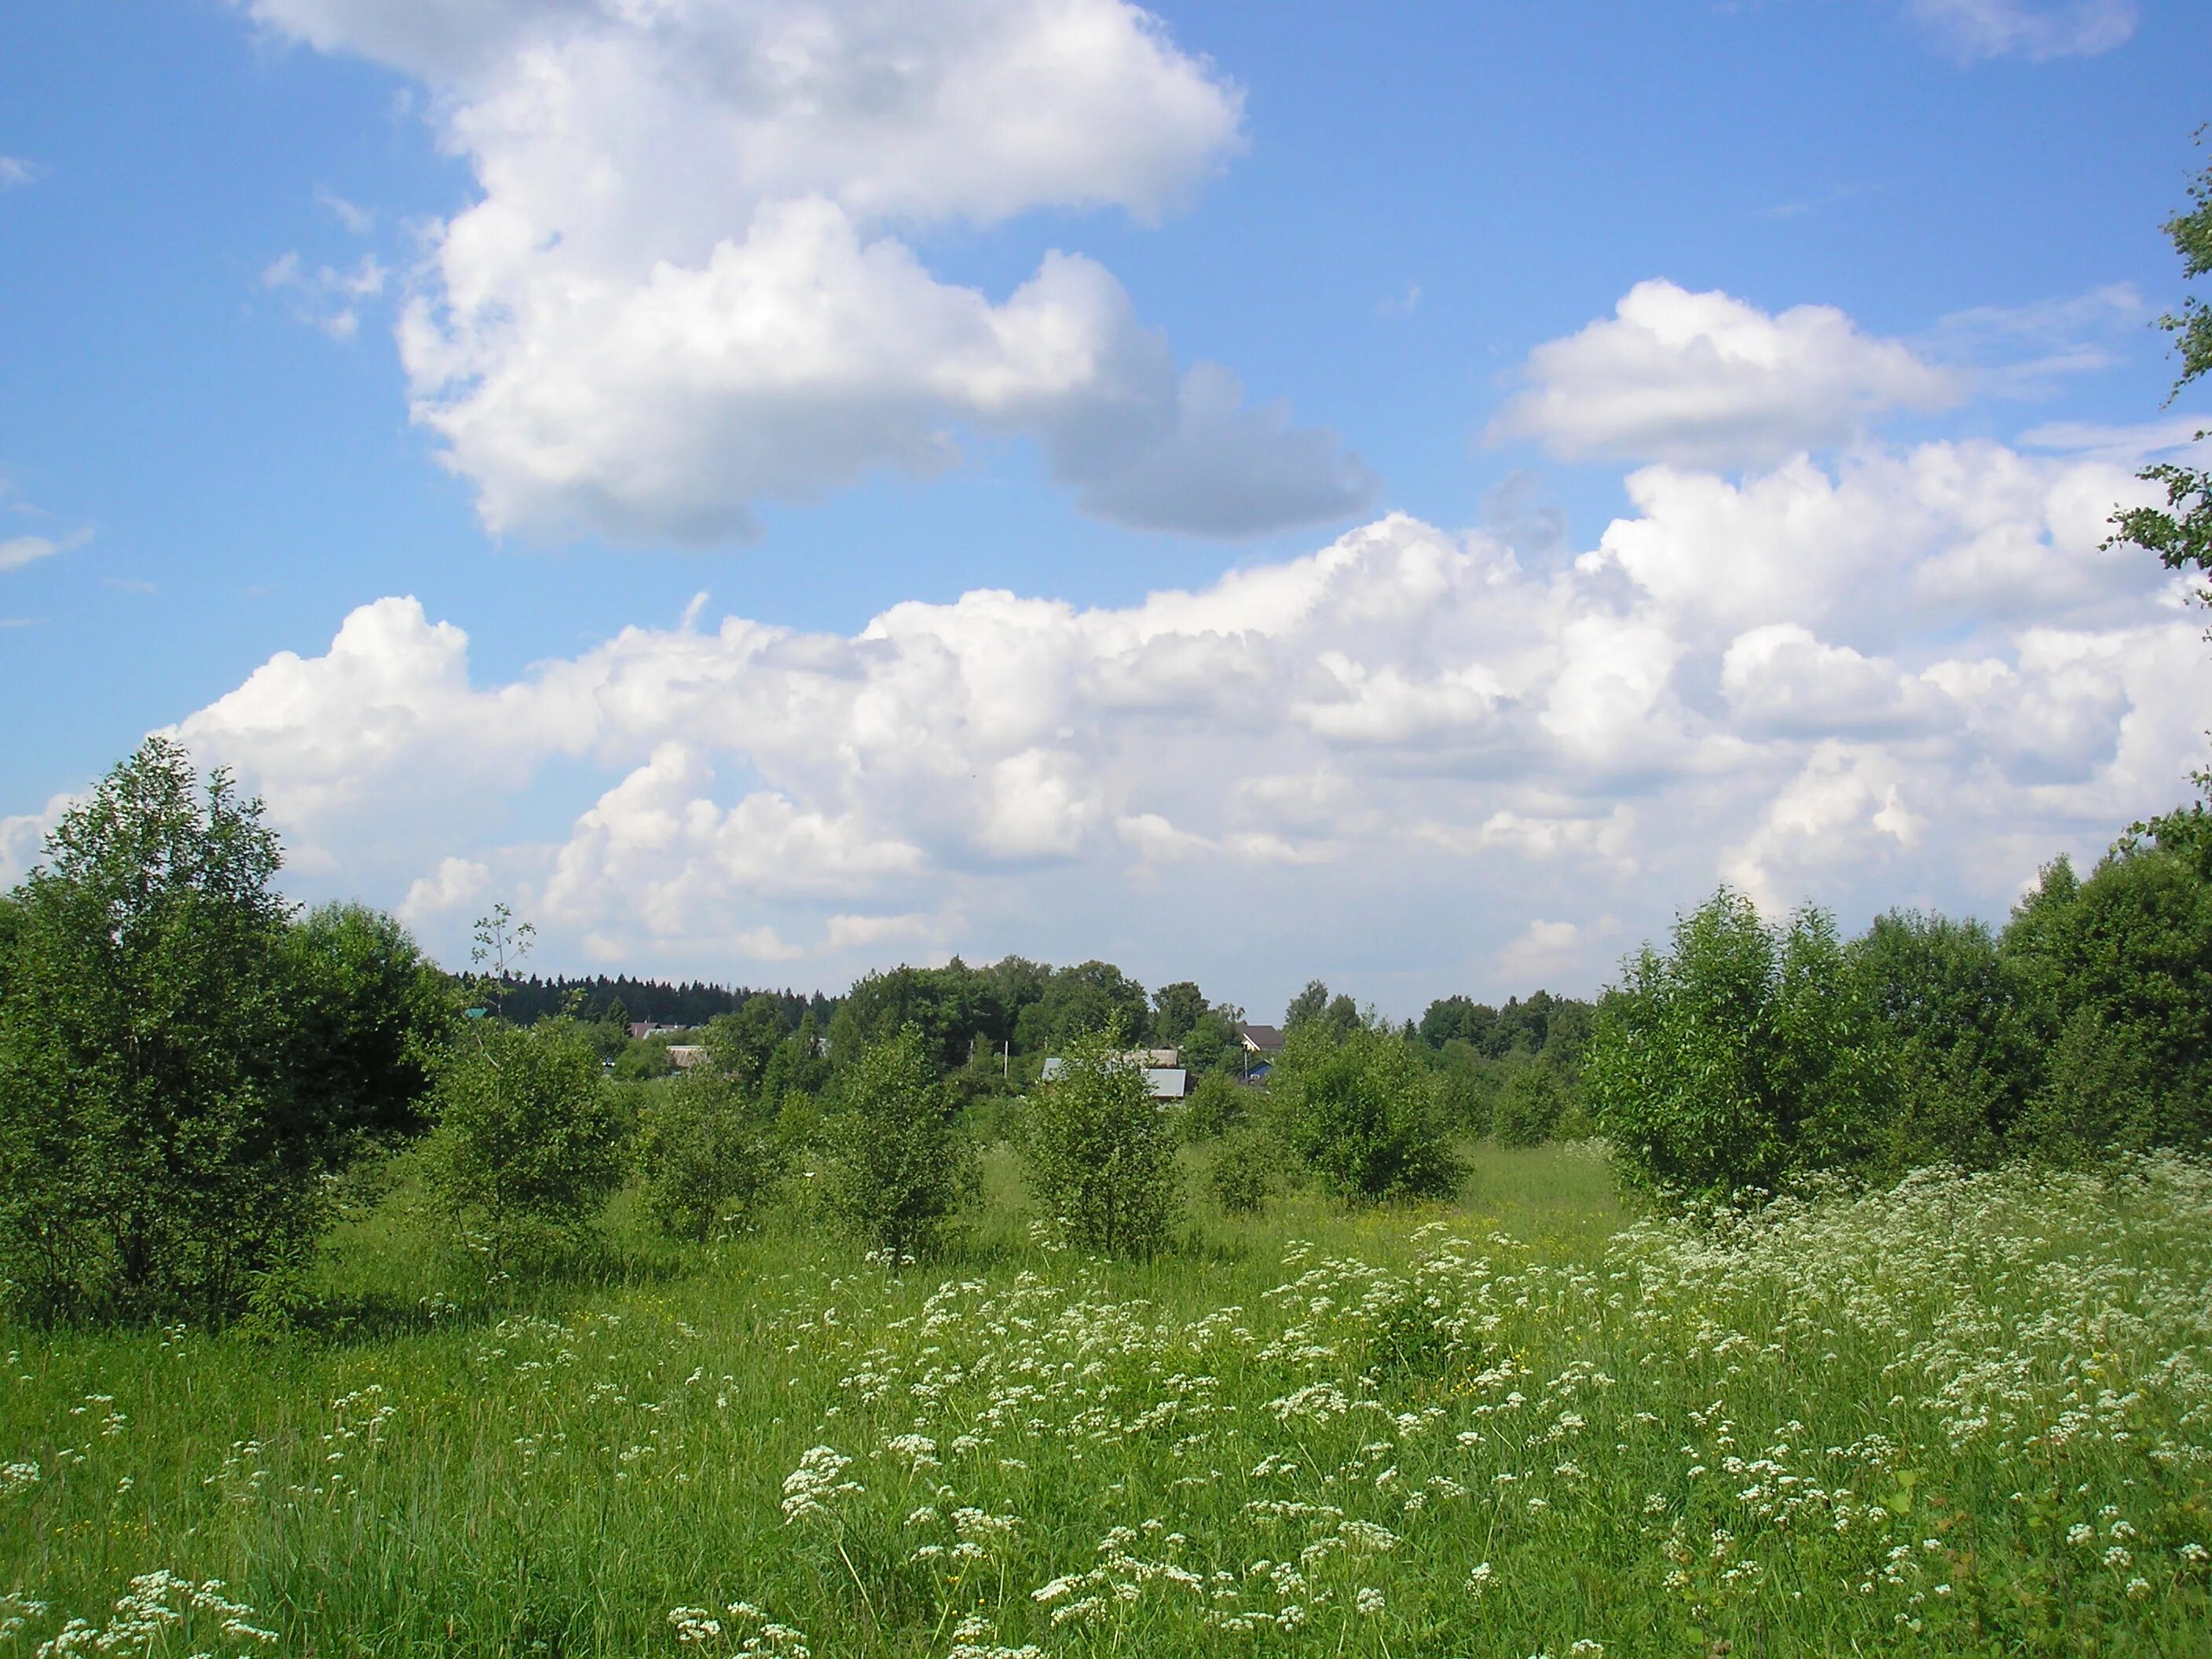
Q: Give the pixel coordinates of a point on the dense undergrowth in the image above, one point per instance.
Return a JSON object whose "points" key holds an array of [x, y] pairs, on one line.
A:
{"points": [[1971, 1415]]}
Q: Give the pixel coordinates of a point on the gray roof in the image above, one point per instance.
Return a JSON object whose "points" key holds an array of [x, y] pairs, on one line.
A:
{"points": [[1165, 1082], [1264, 1038]]}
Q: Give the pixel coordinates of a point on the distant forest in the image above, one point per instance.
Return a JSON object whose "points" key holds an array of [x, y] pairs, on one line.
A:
{"points": [[691, 1004]]}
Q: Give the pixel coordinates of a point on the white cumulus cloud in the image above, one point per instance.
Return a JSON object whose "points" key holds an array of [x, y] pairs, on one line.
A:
{"points": [[1708, 380], [1911, 677], [687, 284]]}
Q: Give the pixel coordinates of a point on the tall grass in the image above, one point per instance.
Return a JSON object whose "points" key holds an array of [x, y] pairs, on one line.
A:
{"points": [[1972, 1415]]}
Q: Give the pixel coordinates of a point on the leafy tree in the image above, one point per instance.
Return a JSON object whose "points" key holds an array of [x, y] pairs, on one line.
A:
{"points": [[1176, 1010], [1212, 1046], [899, 1169], [1740, 1056], [1458, 1019], [712, 1152], [1361, 1111], [1949, 1002], [800, 1065], [164, 1134], [1310, 1004], [1530, 1104], [368, 1019], [740, 1045], [2115, 977], [2180, 532], [1101, 1153], [1087, 998], [529, 1144]]}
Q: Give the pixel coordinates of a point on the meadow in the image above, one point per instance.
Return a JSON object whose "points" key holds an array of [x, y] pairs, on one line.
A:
{"points": [[1969, 1415]]}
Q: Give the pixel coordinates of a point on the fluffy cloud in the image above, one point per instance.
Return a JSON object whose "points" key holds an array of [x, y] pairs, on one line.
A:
{"points": [[1395, 750], [684, 288], [1707, 379], [1970, 29]]}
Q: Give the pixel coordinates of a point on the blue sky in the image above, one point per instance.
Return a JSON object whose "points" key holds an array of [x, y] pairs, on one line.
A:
{"points": [[1858, 554]]}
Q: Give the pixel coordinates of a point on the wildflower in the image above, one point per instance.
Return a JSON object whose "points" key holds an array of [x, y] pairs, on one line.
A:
{"points": [[2137, 1589], [1478, 1580], [1369, 1601], [808, 1489]]}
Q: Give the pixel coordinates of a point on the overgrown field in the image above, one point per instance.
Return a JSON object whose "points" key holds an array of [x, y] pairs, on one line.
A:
{"points": [[1973, 1415]]}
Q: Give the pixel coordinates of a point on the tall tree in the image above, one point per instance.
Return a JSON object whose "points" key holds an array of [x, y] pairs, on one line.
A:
{"points": [[179, 1066]]}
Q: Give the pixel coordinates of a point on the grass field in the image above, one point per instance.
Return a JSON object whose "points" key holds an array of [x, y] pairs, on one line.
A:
{"points": [[1972, 1416]]}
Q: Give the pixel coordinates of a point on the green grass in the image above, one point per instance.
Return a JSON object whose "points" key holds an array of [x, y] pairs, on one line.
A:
{"points": [[1512, 1424]]}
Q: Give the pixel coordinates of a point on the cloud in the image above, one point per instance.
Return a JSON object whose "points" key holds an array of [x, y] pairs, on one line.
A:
{"points": [[15, 170], [1972, 29], [327, 297], [688, 284], [454, 883], [2023, 350], [1911, 677], [1707, 379], [353, 218], [19, 551], [23, 838]]}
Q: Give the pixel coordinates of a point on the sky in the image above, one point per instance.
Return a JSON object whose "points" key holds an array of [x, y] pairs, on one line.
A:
{"points": [[1412, 495]]}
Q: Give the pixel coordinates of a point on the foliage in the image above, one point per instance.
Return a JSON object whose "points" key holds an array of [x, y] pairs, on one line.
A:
{"points": [[898, 1169], [1088, 997], [1740, 1057], [1100, 1151], [1530, 1105], [529, 1144], [711, 1154], [180, 1067], [367, 1019], [1947, 1004], [2180, 531], [1175, 1009], [499, 943], [1246, 1170], [1361, 1111], [740, 1045], [2117, 983], [1214, 1107]]}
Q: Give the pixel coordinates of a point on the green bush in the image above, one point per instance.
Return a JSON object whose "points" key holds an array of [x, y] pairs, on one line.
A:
{"points": [[1215, 1107], [182, 1067], [1742, 1055], [709, 1155], [529, 1144], [1361, 1111], [1530, 1105], [1245, 1171], [1101, 1153], [897, 1168]]}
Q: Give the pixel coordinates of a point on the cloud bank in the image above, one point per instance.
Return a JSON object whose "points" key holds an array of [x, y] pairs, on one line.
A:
{"points": [[689, 284], [1406, 761]]}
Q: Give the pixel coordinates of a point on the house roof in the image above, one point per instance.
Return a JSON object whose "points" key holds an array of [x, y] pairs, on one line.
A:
{"points": [[1261, 1039], [1165, 1082]]}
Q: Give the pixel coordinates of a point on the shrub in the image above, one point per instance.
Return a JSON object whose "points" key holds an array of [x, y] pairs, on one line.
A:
{"points": [[1101, 1153], [1744, 1055], [1361, 1111], [898, 1169], [181, 1066], [529, 1143], [1530, 1105], [1245, 1170], [710, 1155], [1215, 1107]]}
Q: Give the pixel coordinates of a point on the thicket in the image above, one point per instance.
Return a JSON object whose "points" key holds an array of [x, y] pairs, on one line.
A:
{"points": [[1361, 1111], [1748, 1052]]}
